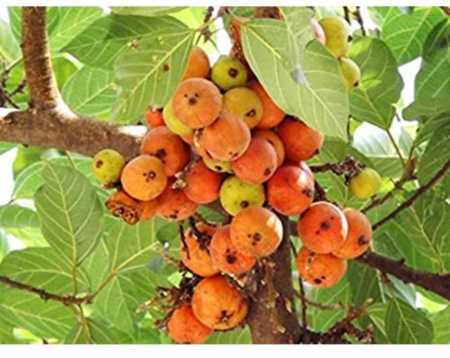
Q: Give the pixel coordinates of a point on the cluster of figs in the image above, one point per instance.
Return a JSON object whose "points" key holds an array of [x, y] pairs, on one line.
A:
{"points": [[222, 139]]}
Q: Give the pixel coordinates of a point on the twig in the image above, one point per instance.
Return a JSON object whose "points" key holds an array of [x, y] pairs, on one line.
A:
{"points": [[359, 19], [43, 294], [414, 197], [302, 294], [446, 10], [183, 240], [7, 98], [396, 147], [349, 166], [347, 14]]}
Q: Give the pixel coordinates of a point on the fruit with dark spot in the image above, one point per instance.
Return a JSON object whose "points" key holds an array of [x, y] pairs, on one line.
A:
{"points": [[227, 138], [218, 304], [272, 114], [290, 191], [154, 118], [123, 206], [196, 256], [228, 73], [167, 147], [245, 103], [318, 32], [337, 35], [107, 166], [175, 205], [226, 257], [148, 209], [173, 123], [197, 102], [256, 232], [144, 178], [274, 140], [320, 270], [365, 184], [257, 164], [198, 64], [202, 184], [300, 141], [184, 327], [323, 227], [236, 195], [359, 235], [351, 72], [218, 166]]}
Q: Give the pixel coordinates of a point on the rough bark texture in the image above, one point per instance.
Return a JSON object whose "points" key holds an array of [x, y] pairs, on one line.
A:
{"points": [[272, 317]]}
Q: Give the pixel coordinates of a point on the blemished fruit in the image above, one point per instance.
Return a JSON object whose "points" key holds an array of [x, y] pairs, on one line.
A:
{"points": [[257, 164], [337, 35], [245, 103], [320, 270], [256, 232], [123, 206], [184, 327], [148, 209], [274, 140], [202, 184], [167, 147], [196, 256], [351, 72], [197, 102], [227, 138], [226, 257], [218, 304], [365, 184], [290, 191], [236, 195], [318, 32], [300, 141], [323, 227], [198, 64], [359, 235], [173, 123], [272, 114], [154, 118], [228, 73], [175, 205], [107, 166], [144, 178], [218, 166]]}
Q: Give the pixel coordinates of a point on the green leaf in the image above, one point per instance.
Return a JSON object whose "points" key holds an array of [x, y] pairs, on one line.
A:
{"points": [[431, 126], [427, 108], [64, 68], [236, 336], [95, 331], [146, 11], [71, 213], [364, 283], [439, 38], [377, 315], [97, 95], [406, 325], [6, 334], [42, 267], [26, 156], [9, 48], [4, 246], [4, 147], [319, 97], [405, 34], [441, 327], [46, 319], [149, 74], [18, 217], [380, 86], [433, 80]]}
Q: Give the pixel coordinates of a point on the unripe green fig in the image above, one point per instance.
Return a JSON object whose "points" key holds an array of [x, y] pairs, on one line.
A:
{"points": [[337, 34], [218, 165], [228, 73], [351, 72], [173, 123], [245, 103], [236, 195], [107, 166], [365, 184]]}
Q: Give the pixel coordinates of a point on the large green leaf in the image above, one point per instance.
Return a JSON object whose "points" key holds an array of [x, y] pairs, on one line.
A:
{"points": [[433, 80], [405, 34], [4, 246], [71, 213], [236, 336], [315, 91], [90, 91], [441, 327], [380, 86], [150, 73], [9, 48], [364, 283], [377, 315], [95, 331], [439, 38], [427, 107], [146, 10], [14, 216], [4, 147], [407, 325]]}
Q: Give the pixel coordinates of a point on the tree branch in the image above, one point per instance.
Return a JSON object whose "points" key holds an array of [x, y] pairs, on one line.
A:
{"points": [[66, 300]]}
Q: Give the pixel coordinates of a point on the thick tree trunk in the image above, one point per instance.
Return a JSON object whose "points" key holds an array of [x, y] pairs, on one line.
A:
{"points": [[272, 317]]}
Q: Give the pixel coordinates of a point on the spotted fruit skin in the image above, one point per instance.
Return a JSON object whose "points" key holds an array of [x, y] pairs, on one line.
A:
{"points": [[154, 118], [174, 124], [202, 183], [320, 270], [245, 103], [274, 140], [272, 114], [107, 166], [174, 205], [365, 184], [228, 73], [184, 327], [236, 195], [351, 72], [198, 64], [337, 35], [218, 166]]}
